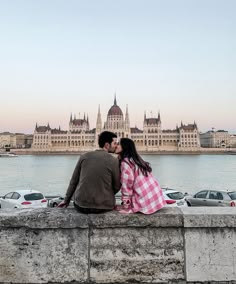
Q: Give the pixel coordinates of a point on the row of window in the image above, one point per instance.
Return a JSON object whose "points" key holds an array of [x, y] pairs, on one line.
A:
{"points": [[188, 135], [65, 143], [60, 137], [188, 144]]}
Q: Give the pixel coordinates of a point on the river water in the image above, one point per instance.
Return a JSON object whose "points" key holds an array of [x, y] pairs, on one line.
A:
{"points": [[51, 174]]}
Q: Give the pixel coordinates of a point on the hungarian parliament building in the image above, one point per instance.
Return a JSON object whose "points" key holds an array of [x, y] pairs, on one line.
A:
{"points": [[80, 138]]}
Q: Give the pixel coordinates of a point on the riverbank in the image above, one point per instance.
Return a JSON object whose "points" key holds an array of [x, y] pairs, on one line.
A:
{"points": [[206, 151]]}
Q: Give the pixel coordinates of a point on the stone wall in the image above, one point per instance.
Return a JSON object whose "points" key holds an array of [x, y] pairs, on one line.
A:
{"points": [[187, 245]]}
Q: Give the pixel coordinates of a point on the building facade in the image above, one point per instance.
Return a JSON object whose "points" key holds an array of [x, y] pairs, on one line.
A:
{"points": [[15, 140], [151, 138], [217, 139]]}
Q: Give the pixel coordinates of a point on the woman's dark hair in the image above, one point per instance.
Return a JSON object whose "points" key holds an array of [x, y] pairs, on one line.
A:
{"points": [[129, 151]]}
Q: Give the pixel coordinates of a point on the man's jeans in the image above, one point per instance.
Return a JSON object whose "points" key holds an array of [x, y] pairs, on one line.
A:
{"points": [[90, 210]]}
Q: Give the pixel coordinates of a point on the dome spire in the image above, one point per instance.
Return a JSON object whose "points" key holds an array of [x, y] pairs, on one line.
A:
{"points": [[115, 109], [115, 100]]}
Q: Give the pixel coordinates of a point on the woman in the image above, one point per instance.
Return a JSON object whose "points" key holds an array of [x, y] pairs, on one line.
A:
{"points": [[140, 191]]}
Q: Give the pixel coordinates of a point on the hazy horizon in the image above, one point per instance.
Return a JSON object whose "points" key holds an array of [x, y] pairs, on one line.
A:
{"points": [[60, 57]]}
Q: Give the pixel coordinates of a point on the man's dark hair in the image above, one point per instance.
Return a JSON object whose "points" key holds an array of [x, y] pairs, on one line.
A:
{"points": [[106, 137]]}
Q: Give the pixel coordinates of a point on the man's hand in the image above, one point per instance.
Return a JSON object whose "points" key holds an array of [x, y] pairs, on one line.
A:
{"points": [[63, 204]]}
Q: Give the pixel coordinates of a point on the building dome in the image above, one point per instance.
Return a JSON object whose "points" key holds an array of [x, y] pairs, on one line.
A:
{"points": [[115, 110]]}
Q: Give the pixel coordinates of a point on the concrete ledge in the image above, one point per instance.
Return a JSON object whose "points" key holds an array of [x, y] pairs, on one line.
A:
{"points": [[209, 217], [174, 245], [43, 218]]}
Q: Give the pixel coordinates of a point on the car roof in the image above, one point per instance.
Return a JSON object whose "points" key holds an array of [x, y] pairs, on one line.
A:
{"points": [[170, 190], [217, 190], [26, 191], [57, 197]]}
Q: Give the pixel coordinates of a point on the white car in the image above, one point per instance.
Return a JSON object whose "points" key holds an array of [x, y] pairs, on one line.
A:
{"points": [[23, 199], [177, 197], [172, 197]]}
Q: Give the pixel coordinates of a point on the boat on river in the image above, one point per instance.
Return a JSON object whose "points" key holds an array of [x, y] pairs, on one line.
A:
{"points": [[8, 155]]}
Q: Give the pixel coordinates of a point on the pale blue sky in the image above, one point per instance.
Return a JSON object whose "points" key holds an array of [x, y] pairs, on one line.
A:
{"points": [[61, 57]]}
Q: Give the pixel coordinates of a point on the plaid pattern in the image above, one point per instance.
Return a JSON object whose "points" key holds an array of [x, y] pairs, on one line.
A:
{"points": [[139, 193]]}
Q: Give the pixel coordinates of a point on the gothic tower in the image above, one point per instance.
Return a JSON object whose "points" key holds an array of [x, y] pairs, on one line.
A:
{"points": [[99, 122]]}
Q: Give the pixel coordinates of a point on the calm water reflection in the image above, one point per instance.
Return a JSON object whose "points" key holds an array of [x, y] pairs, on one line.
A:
{"points": [[51, 174]]}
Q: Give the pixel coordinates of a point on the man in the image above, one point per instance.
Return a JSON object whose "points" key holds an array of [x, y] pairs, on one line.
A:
{"points": [[96, 178]]}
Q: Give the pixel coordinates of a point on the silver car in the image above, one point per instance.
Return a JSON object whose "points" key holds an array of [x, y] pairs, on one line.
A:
{"points": [[54, 202], [212, 198]]}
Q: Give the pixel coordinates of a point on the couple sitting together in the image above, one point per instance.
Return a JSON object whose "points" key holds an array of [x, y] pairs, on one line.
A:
{"points": [[98, 176]]}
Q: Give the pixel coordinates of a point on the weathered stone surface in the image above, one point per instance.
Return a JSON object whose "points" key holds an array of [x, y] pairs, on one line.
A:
{"points": [[43, 218], [131, 255], [210, 254], [187, 245], [41, 256], [208, 217], [166, 217]]}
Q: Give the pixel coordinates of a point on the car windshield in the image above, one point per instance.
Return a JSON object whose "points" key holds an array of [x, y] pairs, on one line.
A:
{"points": [[232, 195], [175, 195], [33, 196]]}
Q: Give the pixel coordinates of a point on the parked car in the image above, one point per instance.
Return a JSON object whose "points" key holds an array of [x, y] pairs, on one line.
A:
{"points": [[57, 200], [172, 198], [23, 199], [174, 195], [212, 198]]}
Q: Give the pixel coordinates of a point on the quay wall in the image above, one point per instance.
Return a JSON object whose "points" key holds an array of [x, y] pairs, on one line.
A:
{"points": [[174, 245], [164, 151]]}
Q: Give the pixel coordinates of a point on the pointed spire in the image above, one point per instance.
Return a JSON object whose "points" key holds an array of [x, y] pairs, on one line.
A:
{"points": [[159, 116], [126, 109], [48, 126], [71, 117], [59, 127], [127, 123], [84, 116], [36, 126], [115, 100], [145, 115], [99, 121], [87, 118]]}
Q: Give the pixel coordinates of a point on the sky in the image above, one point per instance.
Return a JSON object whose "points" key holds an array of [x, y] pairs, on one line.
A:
{"points": [[176, 57]]}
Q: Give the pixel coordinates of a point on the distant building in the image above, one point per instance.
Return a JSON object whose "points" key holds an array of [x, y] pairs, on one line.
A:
{"points": [[15, 140], [80, 137], [216, 139], [233, 141], [7, 139]]}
